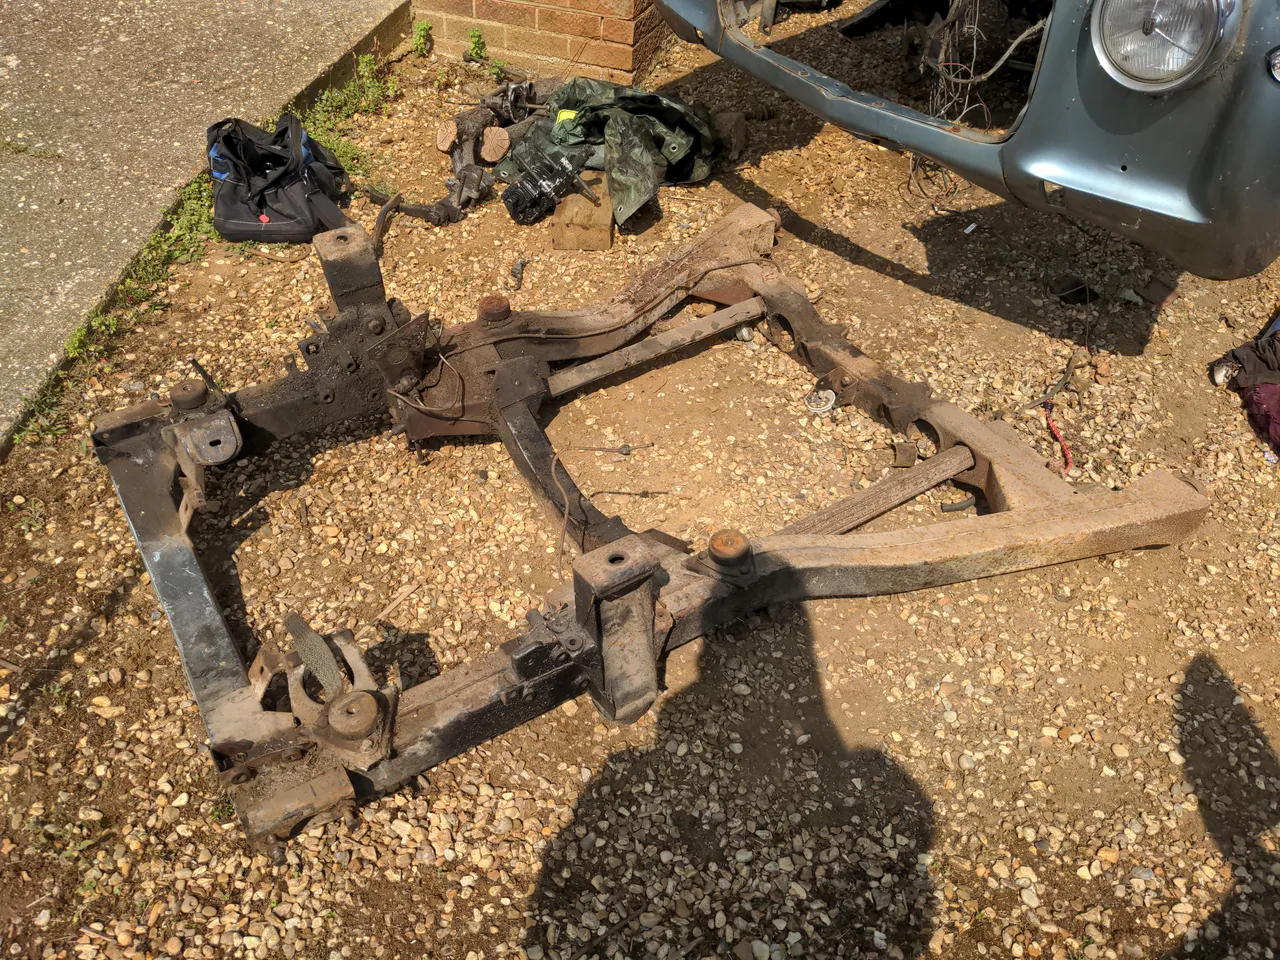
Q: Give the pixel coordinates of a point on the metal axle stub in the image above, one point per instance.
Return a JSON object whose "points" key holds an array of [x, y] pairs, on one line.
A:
{"points": [[354, 716], [729, 556], [188, 394]]}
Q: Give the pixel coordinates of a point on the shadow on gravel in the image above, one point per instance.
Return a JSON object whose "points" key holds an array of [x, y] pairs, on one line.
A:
{"points": [[37, 678], [797, 840], [1000, 269], [241, 492], [1236, 776]]}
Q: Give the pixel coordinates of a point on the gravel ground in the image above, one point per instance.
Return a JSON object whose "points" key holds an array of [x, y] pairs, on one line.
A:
{"points": [[1067, 763]]}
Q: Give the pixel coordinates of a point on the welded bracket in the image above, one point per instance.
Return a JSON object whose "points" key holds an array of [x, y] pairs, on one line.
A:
{"points": [[614, 594]]}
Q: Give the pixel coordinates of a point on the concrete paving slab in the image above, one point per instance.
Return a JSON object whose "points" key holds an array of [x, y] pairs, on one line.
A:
{"points": [[103, 109]]}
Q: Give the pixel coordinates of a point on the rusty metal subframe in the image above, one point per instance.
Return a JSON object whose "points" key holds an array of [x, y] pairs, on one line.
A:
{"points": [[634, 596]]}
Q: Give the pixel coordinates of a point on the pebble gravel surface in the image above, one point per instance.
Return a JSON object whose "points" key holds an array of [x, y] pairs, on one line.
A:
{"points": [[1074, 762]]}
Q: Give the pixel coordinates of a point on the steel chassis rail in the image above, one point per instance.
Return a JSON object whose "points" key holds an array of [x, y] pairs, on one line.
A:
{"points": [[634, 595]]}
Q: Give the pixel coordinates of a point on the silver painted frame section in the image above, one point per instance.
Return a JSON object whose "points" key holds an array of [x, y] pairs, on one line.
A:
{"points": [[1191, 174]]}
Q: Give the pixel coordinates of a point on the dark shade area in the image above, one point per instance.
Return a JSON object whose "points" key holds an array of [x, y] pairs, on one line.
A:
{"points": [[1024, 251], [1236, 776], [793, 778]]}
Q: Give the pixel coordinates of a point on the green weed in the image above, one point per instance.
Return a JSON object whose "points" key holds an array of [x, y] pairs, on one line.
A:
{"points": [[31, 514], [223, 809], [329, 119], [18, 149], [421, 37], [90, 340], [498, 70], [190, 227], [43, 413], [476, 47], [60, 695]]}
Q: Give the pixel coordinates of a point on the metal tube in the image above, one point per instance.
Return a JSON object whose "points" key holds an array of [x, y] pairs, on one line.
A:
{"points": [[657, 345]]}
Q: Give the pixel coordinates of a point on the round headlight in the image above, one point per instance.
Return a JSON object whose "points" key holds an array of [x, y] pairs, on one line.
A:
{"points": [[1155, 45]]}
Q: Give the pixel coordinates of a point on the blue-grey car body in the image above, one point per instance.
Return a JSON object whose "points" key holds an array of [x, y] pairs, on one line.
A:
{"points": [[1192, 173]]}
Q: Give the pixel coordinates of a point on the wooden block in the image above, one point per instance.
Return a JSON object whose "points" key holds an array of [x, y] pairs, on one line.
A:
{"points": [[494, 144], [578, 224]]}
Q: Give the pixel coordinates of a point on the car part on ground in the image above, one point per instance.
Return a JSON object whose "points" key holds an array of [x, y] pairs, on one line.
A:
{"points": [[640, 139], [1253, 370], [339, 736], [1178, 154]]}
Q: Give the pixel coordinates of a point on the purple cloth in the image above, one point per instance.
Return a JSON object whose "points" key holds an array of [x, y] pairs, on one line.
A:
{"points": [[1262, 400]]}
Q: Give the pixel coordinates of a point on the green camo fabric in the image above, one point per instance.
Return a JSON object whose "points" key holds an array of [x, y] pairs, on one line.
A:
{"points": [[647, 138]]}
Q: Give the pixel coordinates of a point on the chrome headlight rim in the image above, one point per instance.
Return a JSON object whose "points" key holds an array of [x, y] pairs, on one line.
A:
{"points": [[1226, 14]]}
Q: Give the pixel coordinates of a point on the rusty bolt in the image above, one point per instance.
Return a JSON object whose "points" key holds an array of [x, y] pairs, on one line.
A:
{"points": [[188, 394], [376, 326], [354, 716], [729, 548], [495, 308], [346, 812], [274, 850]]}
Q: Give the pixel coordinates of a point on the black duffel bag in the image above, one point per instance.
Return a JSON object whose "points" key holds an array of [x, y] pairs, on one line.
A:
{"points": [[273, 188]]}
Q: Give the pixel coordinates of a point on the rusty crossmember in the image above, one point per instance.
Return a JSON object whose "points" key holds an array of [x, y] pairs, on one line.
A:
{"points": [[294, 760]]}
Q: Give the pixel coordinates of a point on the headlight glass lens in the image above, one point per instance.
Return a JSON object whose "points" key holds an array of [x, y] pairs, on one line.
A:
{"points": [[1157, 41]]}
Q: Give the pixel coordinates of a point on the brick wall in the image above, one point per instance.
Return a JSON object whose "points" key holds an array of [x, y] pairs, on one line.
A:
{"points": [[612, 39]]}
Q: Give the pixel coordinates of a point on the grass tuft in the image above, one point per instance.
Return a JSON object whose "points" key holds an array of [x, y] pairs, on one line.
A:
{"points": [[17, 148], [190, 227], [329, 119]]}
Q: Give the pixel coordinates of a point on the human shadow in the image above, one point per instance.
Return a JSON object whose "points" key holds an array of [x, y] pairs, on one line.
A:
{"points": [[1003, 267], [1235, 773], [748, 828]]}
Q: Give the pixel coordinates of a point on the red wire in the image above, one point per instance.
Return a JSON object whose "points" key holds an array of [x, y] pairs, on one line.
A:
{"points": [[1057, 435]]}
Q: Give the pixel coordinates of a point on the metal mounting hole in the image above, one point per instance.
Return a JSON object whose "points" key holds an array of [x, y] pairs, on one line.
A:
{"points": [[215, 442], [617, 558], [820, 401]]}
